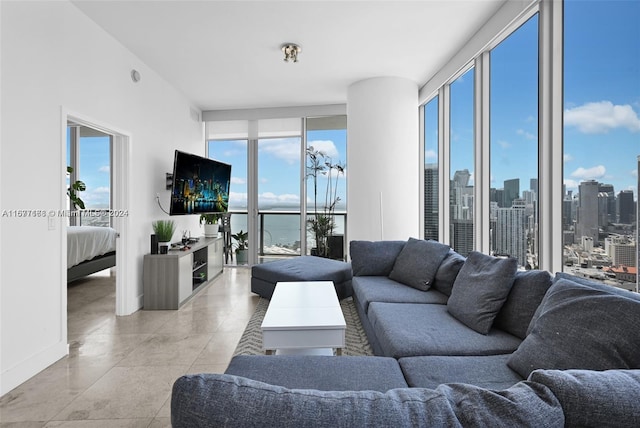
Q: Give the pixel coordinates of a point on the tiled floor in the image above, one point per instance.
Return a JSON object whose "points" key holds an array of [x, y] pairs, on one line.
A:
{"points": [[120, 370]]}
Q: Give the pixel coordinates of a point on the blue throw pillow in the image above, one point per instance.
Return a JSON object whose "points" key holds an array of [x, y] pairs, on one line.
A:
{"points": [[374, 258], [480, 290], [580, 327], [418, 262]]}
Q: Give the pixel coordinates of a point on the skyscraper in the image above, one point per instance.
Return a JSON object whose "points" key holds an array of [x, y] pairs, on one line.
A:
{"points": [[431, 201], [625, 206], [511, 236], [511, 192], [587, 212], [611, 202]]}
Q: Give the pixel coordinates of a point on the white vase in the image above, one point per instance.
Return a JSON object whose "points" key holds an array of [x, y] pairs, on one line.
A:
{"points": [[211, 230]]}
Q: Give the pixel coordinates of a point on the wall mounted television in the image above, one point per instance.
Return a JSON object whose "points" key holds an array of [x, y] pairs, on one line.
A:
{"points": [[200, 185]]}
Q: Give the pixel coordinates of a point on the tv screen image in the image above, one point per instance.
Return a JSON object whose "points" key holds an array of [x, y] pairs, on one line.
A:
{"points": [[200, 185]]}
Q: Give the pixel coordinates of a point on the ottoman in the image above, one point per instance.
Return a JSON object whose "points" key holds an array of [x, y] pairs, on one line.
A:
{"points": [[305, 268]]}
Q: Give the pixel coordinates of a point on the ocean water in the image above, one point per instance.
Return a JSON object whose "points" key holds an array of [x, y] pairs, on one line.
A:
{"points": [[281, 230]]}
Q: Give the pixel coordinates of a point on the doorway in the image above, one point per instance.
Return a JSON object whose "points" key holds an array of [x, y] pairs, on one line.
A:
{"points": [[119, 170]]}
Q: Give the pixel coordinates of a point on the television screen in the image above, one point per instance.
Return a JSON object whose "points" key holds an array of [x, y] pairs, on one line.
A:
{"points": [[200, 185]]}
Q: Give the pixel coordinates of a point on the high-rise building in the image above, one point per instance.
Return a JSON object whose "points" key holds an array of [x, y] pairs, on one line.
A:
{"points": [[511, 234], [623, 254], [611, 202], [625, 207], [431, 209], [511, 192], [638, 231], [533, 185], [462, 236], [603, 209], [587, 212]]}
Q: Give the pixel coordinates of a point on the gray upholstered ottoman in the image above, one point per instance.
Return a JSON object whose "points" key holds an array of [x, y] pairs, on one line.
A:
{"points": [[305, 268]]}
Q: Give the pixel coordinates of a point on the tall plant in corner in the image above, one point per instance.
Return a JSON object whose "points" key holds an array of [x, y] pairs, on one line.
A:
{"points": [[322, 224]]}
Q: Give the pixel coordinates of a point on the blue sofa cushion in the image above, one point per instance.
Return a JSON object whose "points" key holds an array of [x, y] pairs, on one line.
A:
{"points": [[215, 400], [417, 263], [408, 330], [448, 272], [382, 289], [325, 373], [595, 399], [580, 327], [480, 290], [489, 371], [374, 258], [528, 290]]}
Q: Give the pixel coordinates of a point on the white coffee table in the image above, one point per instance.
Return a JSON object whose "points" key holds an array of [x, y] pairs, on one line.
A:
{"points": [[304, 317]]}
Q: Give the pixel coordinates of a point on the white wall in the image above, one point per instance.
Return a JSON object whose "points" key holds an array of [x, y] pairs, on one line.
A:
{"points": [[55, 59], [383, 157]]}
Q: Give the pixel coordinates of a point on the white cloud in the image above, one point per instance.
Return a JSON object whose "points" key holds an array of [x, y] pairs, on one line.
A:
{"points": [[287, 149], [102, 189], [525, 134], [272, 199], [567, 157], [431, 155], [104, 169], [634, 172], [571, 184], [327, 147], [504, 144], [601, 117], [592, 173], [238, 180]]}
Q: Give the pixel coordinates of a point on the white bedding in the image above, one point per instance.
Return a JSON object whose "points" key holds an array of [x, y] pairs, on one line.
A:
{"points": [[87, 242]]}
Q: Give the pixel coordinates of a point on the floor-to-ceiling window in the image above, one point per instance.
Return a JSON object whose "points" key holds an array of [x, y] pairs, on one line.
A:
{"points": [[326, 183], [268, 167], [279, 196], [461, 198], [601, 139], [514, 146], [431, 170]]}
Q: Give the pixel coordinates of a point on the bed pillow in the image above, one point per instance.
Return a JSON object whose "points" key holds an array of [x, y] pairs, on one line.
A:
{"points": [[480, 290], [374, 258], [580, 327], [417, 263]]}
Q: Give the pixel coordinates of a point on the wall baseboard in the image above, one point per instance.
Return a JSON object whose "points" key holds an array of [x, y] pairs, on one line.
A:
{"points": [[30, 367]]}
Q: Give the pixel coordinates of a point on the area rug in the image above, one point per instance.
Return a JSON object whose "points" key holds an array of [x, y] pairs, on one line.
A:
{"points": [[356, 339]]}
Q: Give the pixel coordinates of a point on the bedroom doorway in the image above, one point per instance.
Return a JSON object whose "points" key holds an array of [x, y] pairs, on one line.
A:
{"points": [[116, 145]]}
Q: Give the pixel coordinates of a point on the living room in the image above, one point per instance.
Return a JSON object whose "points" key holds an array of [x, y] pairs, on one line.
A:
{"points": [[57, 63]]}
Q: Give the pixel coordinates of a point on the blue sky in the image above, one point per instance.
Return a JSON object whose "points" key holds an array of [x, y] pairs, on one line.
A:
{"points": [[602, 101]]}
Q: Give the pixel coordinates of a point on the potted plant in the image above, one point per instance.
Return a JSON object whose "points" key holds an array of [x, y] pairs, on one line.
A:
{"points": [[211, 226], [164, 230], [322, 224], [73, 189], [242, 246]]}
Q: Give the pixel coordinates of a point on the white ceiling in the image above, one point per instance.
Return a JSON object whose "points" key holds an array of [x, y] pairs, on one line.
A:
{"points": [[226, 54]]}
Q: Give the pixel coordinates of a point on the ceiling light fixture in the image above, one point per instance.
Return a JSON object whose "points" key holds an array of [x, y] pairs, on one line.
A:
{"points": [[291, 51]]}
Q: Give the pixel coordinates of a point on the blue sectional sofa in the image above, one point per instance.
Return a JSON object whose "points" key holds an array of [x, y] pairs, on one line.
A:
{"points": [[459, 342]]}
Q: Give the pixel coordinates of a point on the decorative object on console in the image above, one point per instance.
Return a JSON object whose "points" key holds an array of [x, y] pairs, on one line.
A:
{"points": [[164, 230], [211, 225]]}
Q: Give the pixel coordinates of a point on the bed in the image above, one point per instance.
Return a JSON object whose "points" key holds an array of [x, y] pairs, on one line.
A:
{"points": [[90, 249]]}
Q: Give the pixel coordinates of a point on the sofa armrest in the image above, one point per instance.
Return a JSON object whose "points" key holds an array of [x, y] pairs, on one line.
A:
{"points": [[591, 398], [207, 400]]}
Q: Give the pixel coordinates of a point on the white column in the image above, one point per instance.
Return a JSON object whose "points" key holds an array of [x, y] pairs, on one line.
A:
{"points": [[383, 159]]}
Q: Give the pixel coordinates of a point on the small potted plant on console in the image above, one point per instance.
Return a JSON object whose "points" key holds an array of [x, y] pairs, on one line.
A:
{"points": [[211, 226], [164, 230]]}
